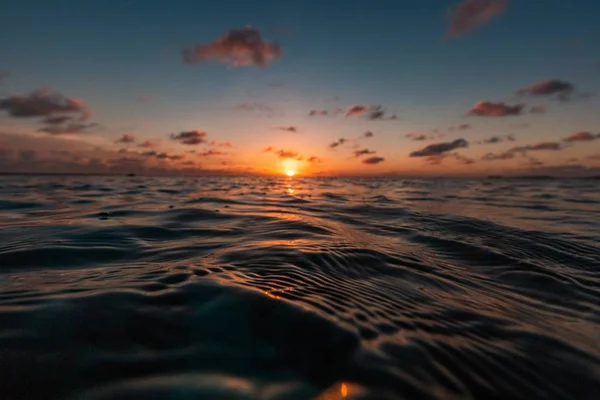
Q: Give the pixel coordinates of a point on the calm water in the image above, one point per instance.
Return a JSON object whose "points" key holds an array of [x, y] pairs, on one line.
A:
{"points": [[247, 288]]}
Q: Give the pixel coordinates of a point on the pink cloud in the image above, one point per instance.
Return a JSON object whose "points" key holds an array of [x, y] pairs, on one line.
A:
{"points": [[471, 14], [147, 143], [582, 137], [126, 138], [238, 48], [356, 110], [490, 109]]}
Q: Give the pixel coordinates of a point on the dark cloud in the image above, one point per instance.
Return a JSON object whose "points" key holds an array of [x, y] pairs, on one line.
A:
{"points": [[314, 113], [68, 128], [498, 139], [269, 149], [541, 109], [490, 109], [471, 14], [314, 160], [163, 156], [363, 152], [418, 136], [553, 88], [43, 103], [368, 134], [126, 138], [190, 137], [337, 143], [542, 146], [211, 152], [238, 48], [373, 113], [582, 137], [438, 148], [373, 160], [495, 157], [288, 128]]}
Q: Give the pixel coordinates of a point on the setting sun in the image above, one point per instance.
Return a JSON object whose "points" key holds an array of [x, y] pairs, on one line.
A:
{"points": [[290, 173]]}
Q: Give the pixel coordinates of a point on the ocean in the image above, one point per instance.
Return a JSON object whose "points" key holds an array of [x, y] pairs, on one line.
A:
{"points": [[299, 288]]}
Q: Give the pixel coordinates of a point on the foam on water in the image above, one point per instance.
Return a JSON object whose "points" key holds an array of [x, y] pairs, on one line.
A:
{"points": [[264, 288]]}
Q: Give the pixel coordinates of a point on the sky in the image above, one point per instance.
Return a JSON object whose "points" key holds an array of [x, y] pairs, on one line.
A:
{"points": [[314, 88]]}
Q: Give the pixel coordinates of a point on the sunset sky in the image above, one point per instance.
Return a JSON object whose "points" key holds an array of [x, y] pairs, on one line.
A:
{"points": [[354, 87]]}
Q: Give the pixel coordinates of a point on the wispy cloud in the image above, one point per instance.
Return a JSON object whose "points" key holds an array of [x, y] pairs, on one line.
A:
{"points": [[371, 112], [190, 137], [438, 148], [71, 128], [210, 153], [287, 154], [368, 134], [241, 47], [363, 152], [553, 88], [582, 137], [491, 109], [498, 139], [222, 144], [471, 14], [148, 143], [541, 109], [288, 129], [373, 160], [337, 143], [523, 150], [126, 138], [417, 136], [143, 99], [314, 160]]}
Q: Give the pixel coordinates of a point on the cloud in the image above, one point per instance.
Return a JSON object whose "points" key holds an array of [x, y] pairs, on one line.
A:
{"points": [[314, 113], [43, 103], [363, 152], [542, 146], [256, 106], [594, 157], [541, 109], [438, 148], [68, 129], [143, 99], [223, 144], [490, 109], [241, 47], [582, 137], [371, 112], [471, 14], [418, 136], [314, 160], [288, 128], [368, 134], [190, 137], [147, 143], [498, 139], [163, 156], [211, 152], [356, 110], [269, 149], [553, 88], [495, 157], [373, 160], [126, 138], [287, 154], [462, 159], [337, 143]]}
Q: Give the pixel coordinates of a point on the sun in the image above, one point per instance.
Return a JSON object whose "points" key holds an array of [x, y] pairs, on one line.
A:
{"points": [[290, 173]]}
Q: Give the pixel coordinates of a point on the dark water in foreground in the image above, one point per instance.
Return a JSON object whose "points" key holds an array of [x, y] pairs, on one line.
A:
{"points": [[131, 288]]}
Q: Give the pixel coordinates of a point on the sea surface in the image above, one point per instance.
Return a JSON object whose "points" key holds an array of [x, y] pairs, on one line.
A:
{"points": [[302, 288]]}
